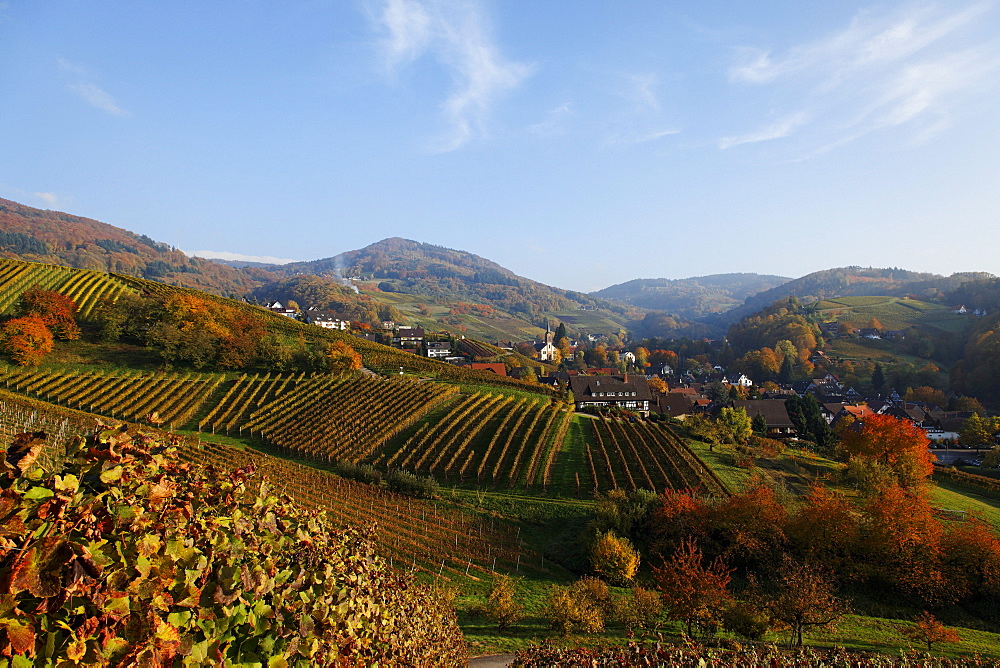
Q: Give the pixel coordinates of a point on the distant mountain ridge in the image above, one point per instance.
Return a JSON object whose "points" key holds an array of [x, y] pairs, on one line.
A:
{"points": [[856, 282], [692, 297], [404, 265]]}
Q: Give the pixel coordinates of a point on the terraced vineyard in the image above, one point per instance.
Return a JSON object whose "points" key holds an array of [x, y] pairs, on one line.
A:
{"points": [[246, 395], [83, 286], [644, 455], [335, 418], [414, 534], [172, 398], [485, 438]]}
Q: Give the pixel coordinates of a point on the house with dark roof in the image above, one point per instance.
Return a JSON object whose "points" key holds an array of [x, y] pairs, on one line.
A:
{"points": [[779, 425], [326, 320], [630, 392], [408, 337]]}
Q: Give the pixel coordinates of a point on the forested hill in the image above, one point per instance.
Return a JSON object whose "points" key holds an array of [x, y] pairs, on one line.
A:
{"points": [[856, 282], [402, 265], [691, 297], [53, 237]]}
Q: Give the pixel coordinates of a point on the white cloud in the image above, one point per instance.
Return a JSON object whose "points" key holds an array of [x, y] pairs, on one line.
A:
{"points": [[88, 91], [50, 199], [409, 28], [911, 67], [238, 257], [97, 98], [456, 34], [554, 123], [633, 139], [777, 130]]}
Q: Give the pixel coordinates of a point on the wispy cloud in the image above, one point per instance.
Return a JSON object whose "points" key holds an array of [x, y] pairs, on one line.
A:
{"points": [[88, 91], [457, 35], [779, 129], [554, 123], [912, 67], [636, 138]]}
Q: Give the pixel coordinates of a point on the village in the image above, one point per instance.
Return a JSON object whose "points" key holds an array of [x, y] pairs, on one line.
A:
{"points": [[659, 391]]}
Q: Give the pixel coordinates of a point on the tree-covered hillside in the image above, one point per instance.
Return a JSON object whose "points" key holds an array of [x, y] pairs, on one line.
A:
{"points": [[54, 237], [691, 297]]}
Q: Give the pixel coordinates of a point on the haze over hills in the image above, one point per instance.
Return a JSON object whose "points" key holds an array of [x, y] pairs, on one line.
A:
{"points": [[435, 286], [691, 297]]}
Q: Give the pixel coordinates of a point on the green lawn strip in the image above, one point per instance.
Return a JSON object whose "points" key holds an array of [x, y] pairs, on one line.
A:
{"points": [[720, 460], [885, 636], [570, 462], [948, 495]]}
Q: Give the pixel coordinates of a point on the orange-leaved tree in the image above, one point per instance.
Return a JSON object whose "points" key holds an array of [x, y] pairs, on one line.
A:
{"points": [[927, 629], [27, 340], [693, 591], [897, 445], [343, 357], [56, 310]]}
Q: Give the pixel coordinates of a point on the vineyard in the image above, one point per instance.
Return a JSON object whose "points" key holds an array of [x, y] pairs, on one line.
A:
{"points": [[173, 399], [643, 455], [83, 286], [334, 418], [413, 534], [484, 438]]}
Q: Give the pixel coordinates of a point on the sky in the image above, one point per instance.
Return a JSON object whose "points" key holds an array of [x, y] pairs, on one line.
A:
{"points": [[579, 143]]}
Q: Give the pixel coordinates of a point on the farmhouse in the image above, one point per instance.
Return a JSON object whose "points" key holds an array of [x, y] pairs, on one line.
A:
{"points": [[326, 320], [629, 392], [779, 425]]}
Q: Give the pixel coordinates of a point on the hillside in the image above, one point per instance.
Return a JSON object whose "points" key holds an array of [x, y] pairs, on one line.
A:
{"points": [[402, 265], [53, 237], [691, 297], [467, 476], [854, 282]]}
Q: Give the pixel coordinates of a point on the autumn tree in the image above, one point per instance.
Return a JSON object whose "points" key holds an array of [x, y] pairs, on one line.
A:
{"points": [[614, 558], [979, 432], [801, 597], [501, 606], [27, 340], [926, 394], [927, 629], [694, 591], [826, 528], [737, 422], [56, 310], [896, 445], [342, 357]]}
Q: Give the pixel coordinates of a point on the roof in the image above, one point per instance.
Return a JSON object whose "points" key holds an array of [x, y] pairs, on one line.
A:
{"points": [[773, 411], [438, 345], [496, 367], [674, 404], [606, 388]]}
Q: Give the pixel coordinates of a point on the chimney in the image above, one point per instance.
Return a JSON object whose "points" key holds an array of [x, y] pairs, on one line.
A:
{"points": [[626, 378]]}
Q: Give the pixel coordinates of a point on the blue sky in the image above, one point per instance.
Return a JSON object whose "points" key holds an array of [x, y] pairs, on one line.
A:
{"points": [[578, 143]]}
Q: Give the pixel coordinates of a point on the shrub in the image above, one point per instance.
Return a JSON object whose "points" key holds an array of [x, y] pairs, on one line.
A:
{"points": [[641, 609], [501, 606], [746, 621], [614, 558], [580, 606], [411, 484]]}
